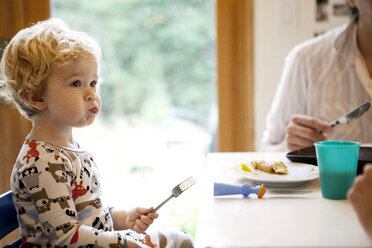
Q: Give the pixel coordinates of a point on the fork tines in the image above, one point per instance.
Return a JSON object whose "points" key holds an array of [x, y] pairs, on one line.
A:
{"points": [[187, 183]]}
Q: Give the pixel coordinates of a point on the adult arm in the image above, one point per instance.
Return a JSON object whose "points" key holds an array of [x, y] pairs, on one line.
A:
{"points": [[360, 196], [287, 125]]}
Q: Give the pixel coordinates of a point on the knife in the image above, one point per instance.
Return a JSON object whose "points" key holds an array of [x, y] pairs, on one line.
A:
{"points": [[356, 113], [287, 191]]}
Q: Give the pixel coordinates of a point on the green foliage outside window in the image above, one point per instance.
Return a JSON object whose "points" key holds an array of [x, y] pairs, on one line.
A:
{"points": [[158, 55]]}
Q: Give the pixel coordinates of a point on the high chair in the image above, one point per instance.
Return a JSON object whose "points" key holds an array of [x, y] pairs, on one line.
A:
{"points": [[8, 218]]}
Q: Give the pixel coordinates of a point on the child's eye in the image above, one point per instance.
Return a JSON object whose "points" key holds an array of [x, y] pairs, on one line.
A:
{"points": [[93, 84], [76, 84]]}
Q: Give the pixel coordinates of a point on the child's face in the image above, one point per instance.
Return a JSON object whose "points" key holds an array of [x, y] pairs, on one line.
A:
{"points": [[71, 95]]}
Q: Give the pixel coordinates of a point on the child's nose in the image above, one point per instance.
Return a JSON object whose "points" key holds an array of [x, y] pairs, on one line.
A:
{"points": [[90, 95]]}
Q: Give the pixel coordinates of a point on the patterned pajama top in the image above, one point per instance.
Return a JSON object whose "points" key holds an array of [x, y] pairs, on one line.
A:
{"points": [[56, 193]]}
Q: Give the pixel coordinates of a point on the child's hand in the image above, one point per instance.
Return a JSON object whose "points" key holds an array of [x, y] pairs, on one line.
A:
{"points": [[141, 218]]}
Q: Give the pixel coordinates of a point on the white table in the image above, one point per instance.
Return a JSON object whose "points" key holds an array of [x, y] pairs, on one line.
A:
{"points": [[305, 221]]}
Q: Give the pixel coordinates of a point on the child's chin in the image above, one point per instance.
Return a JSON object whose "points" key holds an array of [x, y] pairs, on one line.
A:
{"points": [[86, 124]]}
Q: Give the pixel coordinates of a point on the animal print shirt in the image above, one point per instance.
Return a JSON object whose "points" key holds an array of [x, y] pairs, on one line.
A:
{"points": [[56, 192]]}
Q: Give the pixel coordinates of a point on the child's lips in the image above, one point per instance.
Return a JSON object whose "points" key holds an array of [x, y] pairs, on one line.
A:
{"points": [[94, 110]]}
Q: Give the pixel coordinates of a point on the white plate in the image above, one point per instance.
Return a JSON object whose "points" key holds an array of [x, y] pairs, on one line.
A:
{"points": [[298, 173]]}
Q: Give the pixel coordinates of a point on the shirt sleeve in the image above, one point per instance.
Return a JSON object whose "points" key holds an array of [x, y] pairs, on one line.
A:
{"points": [[52, 207], [290, 99]]}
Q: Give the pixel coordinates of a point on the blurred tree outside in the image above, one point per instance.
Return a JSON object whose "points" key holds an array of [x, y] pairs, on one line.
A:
{"points": [[158, 56], [159, 117]]}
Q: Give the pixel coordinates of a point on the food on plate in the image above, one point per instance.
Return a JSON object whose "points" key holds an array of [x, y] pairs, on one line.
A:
{"points": [[270, 166], [245, 168], [280, 168], [262, 165]]}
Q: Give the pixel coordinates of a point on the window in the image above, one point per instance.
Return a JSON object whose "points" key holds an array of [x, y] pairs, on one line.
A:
{"points": [[159, 114]]}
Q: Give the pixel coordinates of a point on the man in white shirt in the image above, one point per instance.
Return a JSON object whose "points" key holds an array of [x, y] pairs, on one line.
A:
{"points": [[323, 79]]}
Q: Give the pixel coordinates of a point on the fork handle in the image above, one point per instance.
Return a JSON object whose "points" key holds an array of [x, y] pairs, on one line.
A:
{"points": [[161, 204], [229, 189]]}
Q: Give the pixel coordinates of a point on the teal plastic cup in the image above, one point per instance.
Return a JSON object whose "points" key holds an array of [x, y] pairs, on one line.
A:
{"points": [[337, 162]]}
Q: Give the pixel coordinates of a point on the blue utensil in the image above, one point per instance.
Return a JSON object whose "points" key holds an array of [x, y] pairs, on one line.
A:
{"points": [[245, 190]]}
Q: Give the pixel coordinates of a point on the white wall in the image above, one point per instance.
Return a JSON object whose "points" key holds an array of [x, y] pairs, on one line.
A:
{"points": [[274, 40]]}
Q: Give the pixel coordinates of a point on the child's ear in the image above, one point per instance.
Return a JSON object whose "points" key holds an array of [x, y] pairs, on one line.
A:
{"points": [[34, 100]]}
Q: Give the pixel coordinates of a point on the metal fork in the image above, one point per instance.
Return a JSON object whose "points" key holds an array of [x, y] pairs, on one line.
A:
{"points": [[176, 191]]}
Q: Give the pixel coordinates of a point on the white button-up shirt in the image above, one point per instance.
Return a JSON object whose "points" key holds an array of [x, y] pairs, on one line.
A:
{"points": [[325, 77]]}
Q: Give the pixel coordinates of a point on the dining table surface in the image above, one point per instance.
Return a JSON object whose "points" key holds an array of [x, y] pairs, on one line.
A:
{"points": [[305, 219]]}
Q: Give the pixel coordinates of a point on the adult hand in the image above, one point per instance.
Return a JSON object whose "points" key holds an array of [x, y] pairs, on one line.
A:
{"points": [[140, 219], [360, 196], [303, 131]]}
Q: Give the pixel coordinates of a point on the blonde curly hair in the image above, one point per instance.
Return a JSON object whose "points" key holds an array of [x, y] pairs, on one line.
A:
{"points": [[29, 57]]}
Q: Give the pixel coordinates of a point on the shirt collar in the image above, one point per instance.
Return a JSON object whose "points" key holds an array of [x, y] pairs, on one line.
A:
{"points": [[346, 42]]}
